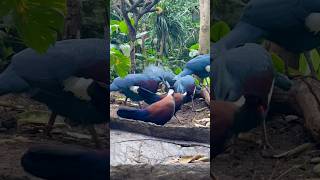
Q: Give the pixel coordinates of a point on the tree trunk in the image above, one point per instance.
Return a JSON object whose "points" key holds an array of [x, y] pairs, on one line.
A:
{"points": [[72, 20], [133, 56], [204, 35]]}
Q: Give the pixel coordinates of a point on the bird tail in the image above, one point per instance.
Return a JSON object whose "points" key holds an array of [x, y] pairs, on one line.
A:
{"points": [[67, 162], [136, 114], [148, 96], [10, 82]]}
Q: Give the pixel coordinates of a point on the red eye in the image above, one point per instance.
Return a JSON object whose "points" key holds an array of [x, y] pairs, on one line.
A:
{"points": [[261, 109]]}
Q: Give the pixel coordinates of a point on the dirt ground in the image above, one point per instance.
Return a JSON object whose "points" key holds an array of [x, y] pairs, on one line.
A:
{"points": [[17, 137], [247, 159]]}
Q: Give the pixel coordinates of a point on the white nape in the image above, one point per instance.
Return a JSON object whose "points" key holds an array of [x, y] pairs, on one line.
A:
{"points": [[171, 91], [313, 22], [208, 68], [78, 86], [134, 89], [240, 101]]}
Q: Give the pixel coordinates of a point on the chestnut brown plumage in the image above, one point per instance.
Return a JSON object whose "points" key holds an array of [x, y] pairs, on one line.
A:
{"points": [[159, 112]]}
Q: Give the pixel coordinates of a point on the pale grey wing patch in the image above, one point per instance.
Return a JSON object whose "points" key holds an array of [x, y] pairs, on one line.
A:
{"points": [[312, 22], [78, 86]]}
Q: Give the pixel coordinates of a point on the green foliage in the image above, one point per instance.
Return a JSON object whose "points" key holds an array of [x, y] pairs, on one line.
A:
{"points": [[206, 82], [196, 81], [119, 62], [38, 22], [218, 30], [194, 47], [303, 65], [278, 63], [178, 70], [176, 27]]}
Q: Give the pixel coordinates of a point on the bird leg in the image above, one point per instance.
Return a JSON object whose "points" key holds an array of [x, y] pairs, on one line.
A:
{"points": [[266, 140], [94, 136], [50, 124], [192, 99]]}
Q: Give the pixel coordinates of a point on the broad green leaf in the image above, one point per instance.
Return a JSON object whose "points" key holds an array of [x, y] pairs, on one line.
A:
{"points": [[205, 82], [194, 47], [218, 30], [125, 48], [114, 28], [123, 27], [278, 63], [303, 67], [6, 6], [315, 60], [114, 22], [120, 62], [38, 22], [177, 70]]}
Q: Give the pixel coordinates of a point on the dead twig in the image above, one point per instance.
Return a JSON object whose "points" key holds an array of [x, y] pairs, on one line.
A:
{"points": [[287, 171], [295, 150]]}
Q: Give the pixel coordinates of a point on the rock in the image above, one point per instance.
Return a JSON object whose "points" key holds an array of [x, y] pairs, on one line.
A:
{"points": [[2, 129], [290, 118], [316, 169], [9, 124], [315, 160]]}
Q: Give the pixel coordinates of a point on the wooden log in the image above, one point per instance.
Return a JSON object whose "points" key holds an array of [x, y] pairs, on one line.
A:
{"points": [[284, 102], [199, 171], [307, 95], [205, 94], [195, 134]]}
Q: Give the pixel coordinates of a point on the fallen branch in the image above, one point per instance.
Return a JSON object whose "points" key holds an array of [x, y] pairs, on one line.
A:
{"points": [[205, 94], [7, 105], [195, 134], [295, 151], [307, 95]]}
